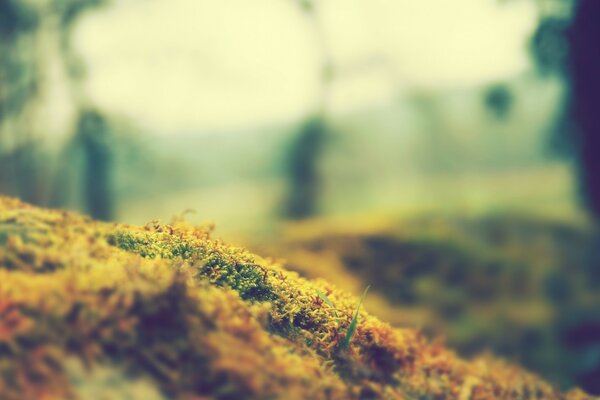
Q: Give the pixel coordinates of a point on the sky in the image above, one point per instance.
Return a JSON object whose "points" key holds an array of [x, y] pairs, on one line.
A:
{"points": [[181, 65]]}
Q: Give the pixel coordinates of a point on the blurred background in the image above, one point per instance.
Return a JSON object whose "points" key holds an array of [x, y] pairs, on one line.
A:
{"points": [[442, 151]]}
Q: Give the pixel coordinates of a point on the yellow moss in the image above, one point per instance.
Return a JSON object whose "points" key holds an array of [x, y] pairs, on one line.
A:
{"points": [[200, 318]]}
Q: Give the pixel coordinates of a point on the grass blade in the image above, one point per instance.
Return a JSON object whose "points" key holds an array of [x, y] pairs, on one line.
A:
{"points": [[326, 300], [324, 297], [352, 326]]}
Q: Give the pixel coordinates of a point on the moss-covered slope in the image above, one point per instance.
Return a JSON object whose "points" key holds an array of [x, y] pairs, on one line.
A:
{"points": [[524, 287], [163, 311]]}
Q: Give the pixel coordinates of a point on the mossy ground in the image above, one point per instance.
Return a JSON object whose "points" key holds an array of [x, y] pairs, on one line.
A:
{"points": [[521, 286], [171, 313]]}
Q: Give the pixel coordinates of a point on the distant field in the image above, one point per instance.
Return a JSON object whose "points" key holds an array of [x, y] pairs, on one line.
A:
{"points": [[248, 207]]}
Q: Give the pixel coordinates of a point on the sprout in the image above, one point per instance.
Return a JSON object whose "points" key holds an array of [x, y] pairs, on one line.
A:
{"points": [[326, 300], [352, 326]]}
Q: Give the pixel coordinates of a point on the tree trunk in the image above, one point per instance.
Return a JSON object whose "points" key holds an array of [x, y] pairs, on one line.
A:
{"points": [[584, 67]]}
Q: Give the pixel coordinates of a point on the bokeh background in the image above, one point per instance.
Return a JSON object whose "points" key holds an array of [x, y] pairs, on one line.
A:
{"points": [[444, 152]]}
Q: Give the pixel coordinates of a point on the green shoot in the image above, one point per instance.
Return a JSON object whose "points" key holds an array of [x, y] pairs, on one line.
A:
{"points": [[352, 326], [326, 300]]}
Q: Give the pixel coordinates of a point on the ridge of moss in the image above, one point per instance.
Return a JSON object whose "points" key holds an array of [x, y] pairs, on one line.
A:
{"points": [[202, 318]]}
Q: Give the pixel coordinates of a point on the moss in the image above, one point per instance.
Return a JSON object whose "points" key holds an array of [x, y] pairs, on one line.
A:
{"points": [[482, 283], [220, 265], [201, 319], [150, 246]]}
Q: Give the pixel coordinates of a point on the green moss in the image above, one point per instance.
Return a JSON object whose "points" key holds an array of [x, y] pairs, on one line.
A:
{"points": [[248, 280], [150, 246], [219, 265]]}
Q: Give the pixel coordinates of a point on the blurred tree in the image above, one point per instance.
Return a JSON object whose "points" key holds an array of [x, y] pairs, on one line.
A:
{"points": [[498, 99], [565, 44], [549, 48], [94, 136], [549, 44], [35, 40], [584, 67], [303, 169], [18, 85], [303, 159]]}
